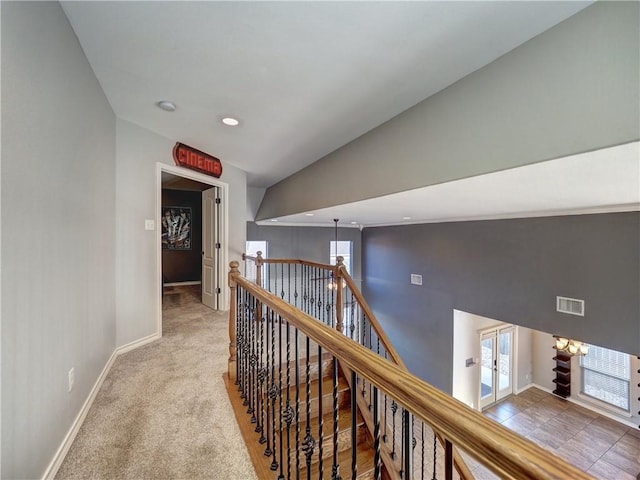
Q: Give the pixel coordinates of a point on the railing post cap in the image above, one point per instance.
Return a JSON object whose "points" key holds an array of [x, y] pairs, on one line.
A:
{"points": [[234, 264], [339, 260]]}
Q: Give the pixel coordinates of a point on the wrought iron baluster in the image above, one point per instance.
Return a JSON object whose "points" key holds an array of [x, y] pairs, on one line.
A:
{"points": [[237, 323], [376, 436], [251, 367], [297, 404], [422, 456], [295, 285], [406, 444], [364, 344], [282, 282], [394, 410], [308, 445], [435, 451], [448, 460], [242, 344], [352, 322], [335, 469], [268, 451], [273, 391], [385, 438], [281, 413], [261, 381], [354, 426], [320, 416], [289, 412]]}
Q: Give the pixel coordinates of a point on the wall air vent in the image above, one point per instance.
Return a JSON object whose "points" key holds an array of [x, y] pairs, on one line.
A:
{"points": [[572, 306]]}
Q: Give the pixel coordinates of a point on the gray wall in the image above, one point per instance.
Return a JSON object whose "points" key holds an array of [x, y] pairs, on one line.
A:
{"points": [[307, 243], [510, 270], [572, 89], [58, 246]]}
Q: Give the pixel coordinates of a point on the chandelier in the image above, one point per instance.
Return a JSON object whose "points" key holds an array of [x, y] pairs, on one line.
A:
{"points": [[572, 347]]}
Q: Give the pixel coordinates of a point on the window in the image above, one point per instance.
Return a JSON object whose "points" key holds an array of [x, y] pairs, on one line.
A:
{"points": [[606, 375], [344, 250], [252, 249]]}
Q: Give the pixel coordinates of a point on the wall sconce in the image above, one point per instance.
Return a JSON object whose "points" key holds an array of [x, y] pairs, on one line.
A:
{"points": [[572, 347]]}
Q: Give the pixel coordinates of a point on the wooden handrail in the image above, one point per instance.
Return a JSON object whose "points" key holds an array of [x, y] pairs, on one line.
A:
{"points": [[340, 271], [382, 334], [341, 274], [504, 452]]}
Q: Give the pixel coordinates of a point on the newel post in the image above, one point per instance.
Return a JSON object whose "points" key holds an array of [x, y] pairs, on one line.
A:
{"points": [[233, 286], [339, 296], [259, 263]]}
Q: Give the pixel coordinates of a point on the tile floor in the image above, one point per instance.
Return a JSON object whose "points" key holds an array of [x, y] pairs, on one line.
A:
{"points": [[602, 447]]}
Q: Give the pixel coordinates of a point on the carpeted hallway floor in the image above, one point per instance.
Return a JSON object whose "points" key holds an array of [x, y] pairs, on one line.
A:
{"points": [[163, 412]]}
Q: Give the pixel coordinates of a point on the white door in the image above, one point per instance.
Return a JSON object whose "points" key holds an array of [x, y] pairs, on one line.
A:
{"points": [[211, 248], [496, 365]]}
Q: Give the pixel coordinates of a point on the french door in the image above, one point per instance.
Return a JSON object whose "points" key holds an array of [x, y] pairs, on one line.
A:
{"points": [[496, 365]]}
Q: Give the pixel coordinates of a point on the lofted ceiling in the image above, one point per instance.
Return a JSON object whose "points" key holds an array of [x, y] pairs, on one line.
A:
{"points": [[305, 78]]}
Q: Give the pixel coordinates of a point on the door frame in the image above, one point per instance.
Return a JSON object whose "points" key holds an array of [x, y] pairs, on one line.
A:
{"points": [[223, 224], [495, 333]]}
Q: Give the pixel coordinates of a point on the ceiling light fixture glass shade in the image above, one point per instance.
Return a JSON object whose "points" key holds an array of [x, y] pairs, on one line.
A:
{"points": [[166, 105], [232, 122], [572, 347]]}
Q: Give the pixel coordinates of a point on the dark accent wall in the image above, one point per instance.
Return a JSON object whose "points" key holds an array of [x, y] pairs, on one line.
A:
{"points": [[184, 265], [307, 243], [510, 270]]}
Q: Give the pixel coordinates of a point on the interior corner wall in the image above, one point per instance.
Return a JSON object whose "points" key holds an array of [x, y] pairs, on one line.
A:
{"points": [[58, 244], [137, 152], [571, 89], [511, 270]]}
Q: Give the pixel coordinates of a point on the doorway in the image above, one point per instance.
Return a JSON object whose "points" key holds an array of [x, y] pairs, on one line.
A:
{"points": [[496, 365], [213, 253]]}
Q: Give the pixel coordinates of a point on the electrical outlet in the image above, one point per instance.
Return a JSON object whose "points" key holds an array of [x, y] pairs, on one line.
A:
{"points": [[72, 378], [149, 225]]}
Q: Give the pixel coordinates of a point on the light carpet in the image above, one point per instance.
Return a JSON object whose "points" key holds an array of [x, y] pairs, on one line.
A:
{"points": [[163, 411]]}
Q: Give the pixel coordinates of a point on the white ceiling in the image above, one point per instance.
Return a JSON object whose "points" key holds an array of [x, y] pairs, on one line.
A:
{"points": [[606, 180], [304, 78]]}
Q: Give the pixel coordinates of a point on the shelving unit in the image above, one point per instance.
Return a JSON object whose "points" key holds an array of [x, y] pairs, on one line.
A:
{"points": [[563, 374]]}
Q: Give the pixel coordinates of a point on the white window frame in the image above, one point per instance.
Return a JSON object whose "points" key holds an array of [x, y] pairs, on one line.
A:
{"points": [[601, 401], [348, 263], [249, 266]]}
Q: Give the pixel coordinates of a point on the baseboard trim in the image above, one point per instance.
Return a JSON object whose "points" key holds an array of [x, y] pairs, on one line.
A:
{"points": [[181, 284], [527, 387], [137, 343], [60, 455]]}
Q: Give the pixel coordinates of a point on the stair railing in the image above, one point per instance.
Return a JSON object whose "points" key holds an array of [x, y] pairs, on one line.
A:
{"points": [[331, 295], [272, 348]]}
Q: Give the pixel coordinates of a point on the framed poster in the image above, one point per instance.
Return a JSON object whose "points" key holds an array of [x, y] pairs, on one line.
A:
{"points": [[176, 228]]}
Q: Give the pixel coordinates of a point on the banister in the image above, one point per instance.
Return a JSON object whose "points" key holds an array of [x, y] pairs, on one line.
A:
{"points": [[382, 334], [504, 452]]}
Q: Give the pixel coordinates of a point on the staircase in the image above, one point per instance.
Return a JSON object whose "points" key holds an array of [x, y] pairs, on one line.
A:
{"points": [[309, 364], [292, 437]]}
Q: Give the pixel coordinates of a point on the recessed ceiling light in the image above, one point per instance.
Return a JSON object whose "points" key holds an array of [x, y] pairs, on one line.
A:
{"points": [[274, 219], [166, 105], [232, 122], [309, 214], [354, 223], [406, 218]]}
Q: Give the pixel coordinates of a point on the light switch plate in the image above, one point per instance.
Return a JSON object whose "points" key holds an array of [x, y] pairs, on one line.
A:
{"points": [[149, 225]]}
